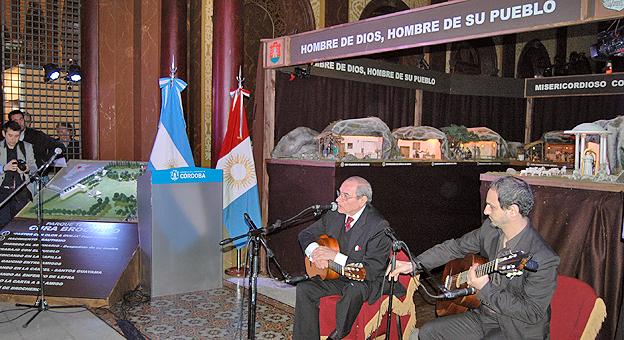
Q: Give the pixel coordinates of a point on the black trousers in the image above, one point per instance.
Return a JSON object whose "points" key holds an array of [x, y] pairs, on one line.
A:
{"points": [[473, 324], [13, 206], [309, 293]]}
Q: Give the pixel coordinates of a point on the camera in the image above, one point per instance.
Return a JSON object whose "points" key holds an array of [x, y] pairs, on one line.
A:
{"points": [[21, 164]]}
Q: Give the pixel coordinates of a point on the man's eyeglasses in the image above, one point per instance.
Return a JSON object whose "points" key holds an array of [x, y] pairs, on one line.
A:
{"points": [[344, 195]]}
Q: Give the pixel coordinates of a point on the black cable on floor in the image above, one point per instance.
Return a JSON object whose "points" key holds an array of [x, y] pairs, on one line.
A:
{"points": [[130, 300], [27, 310]]}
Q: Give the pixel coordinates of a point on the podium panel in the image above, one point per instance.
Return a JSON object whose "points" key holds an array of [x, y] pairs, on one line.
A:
{"points": [[180, 226]]}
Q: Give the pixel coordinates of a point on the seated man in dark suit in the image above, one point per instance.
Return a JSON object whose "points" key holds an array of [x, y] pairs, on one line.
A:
{"points": [[359, 230], [511, 308]]}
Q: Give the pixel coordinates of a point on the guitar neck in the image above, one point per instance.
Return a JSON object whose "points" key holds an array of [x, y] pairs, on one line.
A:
{"points": [[484, 269], [335, 267]]}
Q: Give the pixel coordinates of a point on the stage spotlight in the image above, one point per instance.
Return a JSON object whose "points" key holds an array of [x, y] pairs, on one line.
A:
{"points": [[52, 72], [73, 73]]}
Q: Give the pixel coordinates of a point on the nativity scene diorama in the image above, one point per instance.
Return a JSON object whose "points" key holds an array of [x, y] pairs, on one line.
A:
{"points": [[592, 151], [554, 146]]}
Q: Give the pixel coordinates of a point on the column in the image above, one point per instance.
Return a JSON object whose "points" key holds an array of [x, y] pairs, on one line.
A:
{"points": [[226, 58], [89, 84]]}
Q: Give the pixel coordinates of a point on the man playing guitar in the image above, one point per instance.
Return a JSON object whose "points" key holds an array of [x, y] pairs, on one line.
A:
{"points": [[359, 230], [516, 307]]}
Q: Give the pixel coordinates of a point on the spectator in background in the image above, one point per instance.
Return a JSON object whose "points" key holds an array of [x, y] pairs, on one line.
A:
{"points": [[43, 145], [14, 173], [65, 134]]}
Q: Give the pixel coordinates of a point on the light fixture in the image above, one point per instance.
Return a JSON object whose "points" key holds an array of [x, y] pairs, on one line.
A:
{"points": [[52, 72], [73, 73], [610, 43]]}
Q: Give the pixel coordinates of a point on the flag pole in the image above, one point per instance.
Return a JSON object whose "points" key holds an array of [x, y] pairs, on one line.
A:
{"points": [[239, 270], [239, 93]]}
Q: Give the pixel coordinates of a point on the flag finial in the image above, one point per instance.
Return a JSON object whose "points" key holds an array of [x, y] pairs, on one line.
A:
{"points": [[173, 69], [240, 77]]}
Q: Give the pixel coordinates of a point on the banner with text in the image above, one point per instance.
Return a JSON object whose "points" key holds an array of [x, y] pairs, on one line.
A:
{"points": [[595, 84], [378, 72], [80, 259], [389, 74], [424, 26]]}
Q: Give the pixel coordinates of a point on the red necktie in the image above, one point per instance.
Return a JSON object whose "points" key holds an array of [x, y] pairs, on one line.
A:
{"points": [[348, 223]]}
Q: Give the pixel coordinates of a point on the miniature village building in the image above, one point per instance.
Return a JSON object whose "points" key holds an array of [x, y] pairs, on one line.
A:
{"points": [[420, 149], [361, 147]]}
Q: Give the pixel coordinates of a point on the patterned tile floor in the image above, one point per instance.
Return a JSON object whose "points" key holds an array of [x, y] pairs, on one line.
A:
{"points": [[216, 314], [213, 314]]}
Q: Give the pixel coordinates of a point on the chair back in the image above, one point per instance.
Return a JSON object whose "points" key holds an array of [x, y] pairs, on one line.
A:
{"points": [[576, 311]]}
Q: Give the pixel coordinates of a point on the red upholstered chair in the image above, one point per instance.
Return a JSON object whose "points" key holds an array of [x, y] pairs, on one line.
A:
{"points": [[372, 318], [576, 311]]}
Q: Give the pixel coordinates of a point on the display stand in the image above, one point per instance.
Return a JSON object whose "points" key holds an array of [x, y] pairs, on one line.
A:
{"points": [[180, 222]]}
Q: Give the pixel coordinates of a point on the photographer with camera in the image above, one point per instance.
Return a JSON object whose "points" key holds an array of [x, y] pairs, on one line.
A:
{"points": [[17, 160]]}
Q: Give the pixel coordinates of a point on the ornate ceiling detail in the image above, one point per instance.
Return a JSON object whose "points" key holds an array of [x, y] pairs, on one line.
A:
{"points": [[355, 9], [265, 19], [316, 9]]}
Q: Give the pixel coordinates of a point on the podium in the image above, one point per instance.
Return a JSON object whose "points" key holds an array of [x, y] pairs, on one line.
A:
{"points": [[180, 226]]}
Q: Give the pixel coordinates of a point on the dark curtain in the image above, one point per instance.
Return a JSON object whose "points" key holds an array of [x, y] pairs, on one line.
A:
{"points": [[503, 115], [315, 102], [564, 113]]}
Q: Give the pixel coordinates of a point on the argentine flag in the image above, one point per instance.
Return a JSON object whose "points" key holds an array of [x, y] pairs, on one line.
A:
{"points": [[171, 148], [240, 186]]}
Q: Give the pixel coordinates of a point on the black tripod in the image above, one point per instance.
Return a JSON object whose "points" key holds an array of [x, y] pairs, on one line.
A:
{"points": [[41, 304], [256, 239]]}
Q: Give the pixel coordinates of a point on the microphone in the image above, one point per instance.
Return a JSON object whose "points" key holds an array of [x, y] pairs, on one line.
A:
{"points": [[331, 206], [249, 221], [452, 294], [390, 233], [57, 151], [226, 241], [296, 279]]}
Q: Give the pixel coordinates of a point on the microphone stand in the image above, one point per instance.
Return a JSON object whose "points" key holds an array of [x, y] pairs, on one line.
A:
{"points": [[256, 239], [297, 219], [40, 304], [396, 247]]}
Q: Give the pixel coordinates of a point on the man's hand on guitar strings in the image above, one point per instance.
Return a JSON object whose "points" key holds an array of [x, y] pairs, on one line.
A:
{"points": [[474, 281], [321, 256]]}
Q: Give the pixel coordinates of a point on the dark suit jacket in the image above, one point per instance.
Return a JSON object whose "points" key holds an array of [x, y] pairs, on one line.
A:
{"points": [[43, 145], [522, 303], [367, 235]]}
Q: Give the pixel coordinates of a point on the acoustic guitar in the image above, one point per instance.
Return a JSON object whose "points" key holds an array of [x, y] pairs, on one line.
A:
{"points": [[353, 271], [510, 265]]}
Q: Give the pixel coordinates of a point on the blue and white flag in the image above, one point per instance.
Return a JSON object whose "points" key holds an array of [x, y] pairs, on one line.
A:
{"points": [[240, 186], [171, 148]]}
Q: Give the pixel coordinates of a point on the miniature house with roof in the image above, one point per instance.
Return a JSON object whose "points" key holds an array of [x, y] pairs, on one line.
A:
{"points": [[487, 147], [554, 146], [420, 142]]}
